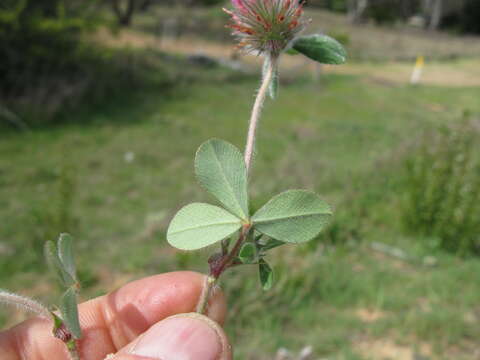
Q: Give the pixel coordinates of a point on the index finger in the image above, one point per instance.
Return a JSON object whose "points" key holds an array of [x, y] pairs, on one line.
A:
{"points": [[112, 321]]}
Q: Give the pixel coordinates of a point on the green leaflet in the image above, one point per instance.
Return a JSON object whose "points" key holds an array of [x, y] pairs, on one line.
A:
{"points": [[221, 170], [65, 253], [248, 253], [321, 48], [265, 273], [199, 225], [68, 308], [292, 51], [57, 266], [268, 244], [293, 216], [61, 261], [57, 321]]}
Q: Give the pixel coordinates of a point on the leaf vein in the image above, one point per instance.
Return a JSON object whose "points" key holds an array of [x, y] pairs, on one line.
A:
{"points": [[291, 217], [228, 183], [206, 225]]}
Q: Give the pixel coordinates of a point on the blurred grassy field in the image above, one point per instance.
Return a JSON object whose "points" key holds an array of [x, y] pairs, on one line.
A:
{"points": [[366, 42], [118, 172]]}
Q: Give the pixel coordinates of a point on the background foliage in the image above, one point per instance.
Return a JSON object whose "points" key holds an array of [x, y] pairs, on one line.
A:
{"points": [[443, 185], [40, 39]]}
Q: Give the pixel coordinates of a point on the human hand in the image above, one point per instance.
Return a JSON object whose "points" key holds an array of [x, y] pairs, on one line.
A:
{"points": [[147, 319]]}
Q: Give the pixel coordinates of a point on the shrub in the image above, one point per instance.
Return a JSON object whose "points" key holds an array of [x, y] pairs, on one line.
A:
{"points": [[442, 187], [36, 36], [41, 49]]}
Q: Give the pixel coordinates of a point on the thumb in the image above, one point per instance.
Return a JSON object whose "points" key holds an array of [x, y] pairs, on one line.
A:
{"points": [[180, 337]]}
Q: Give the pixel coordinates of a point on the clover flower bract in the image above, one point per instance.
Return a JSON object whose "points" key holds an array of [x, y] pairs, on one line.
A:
{"points": [[266, 26]]}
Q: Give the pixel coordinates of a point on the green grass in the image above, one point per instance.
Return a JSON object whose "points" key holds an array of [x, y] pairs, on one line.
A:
{"points": [[343, 139]]}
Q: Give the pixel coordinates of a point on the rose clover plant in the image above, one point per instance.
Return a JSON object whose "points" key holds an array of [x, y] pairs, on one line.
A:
{"points": [[266, 28]]}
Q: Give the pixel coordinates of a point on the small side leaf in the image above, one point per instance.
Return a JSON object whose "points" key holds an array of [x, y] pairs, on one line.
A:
{"points": [[57, 322], [292, 51], [266, 274], [65, 253], [69, 311], [248, 253], [53, 262], [199, 225], [321, 48], [294, 216], [56, 266], [269, 244]]}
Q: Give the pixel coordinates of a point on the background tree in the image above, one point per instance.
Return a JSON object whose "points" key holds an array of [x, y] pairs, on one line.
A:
{"points": [[41, 50], [39, 35], [124, 10]]}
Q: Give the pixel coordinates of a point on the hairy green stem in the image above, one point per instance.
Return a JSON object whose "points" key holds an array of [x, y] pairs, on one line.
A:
{"points": [[257, 110], [25, 303], [228, 259], [202, 305]]}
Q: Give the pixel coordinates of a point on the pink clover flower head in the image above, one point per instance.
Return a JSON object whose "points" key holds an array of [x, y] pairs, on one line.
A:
{"points": [[266, 26]]}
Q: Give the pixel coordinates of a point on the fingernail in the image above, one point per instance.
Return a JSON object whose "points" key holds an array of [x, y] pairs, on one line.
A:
{"points": [[180, 338]]}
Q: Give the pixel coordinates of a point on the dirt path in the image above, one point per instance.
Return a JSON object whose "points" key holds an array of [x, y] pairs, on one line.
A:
{"points": [[455, 73]]}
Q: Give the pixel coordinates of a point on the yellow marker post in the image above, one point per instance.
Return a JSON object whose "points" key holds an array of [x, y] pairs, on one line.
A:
{"points": [[417, 70]]}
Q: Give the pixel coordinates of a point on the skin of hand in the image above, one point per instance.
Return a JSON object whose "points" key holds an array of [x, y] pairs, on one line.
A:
{"points": [[151, 318]]}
